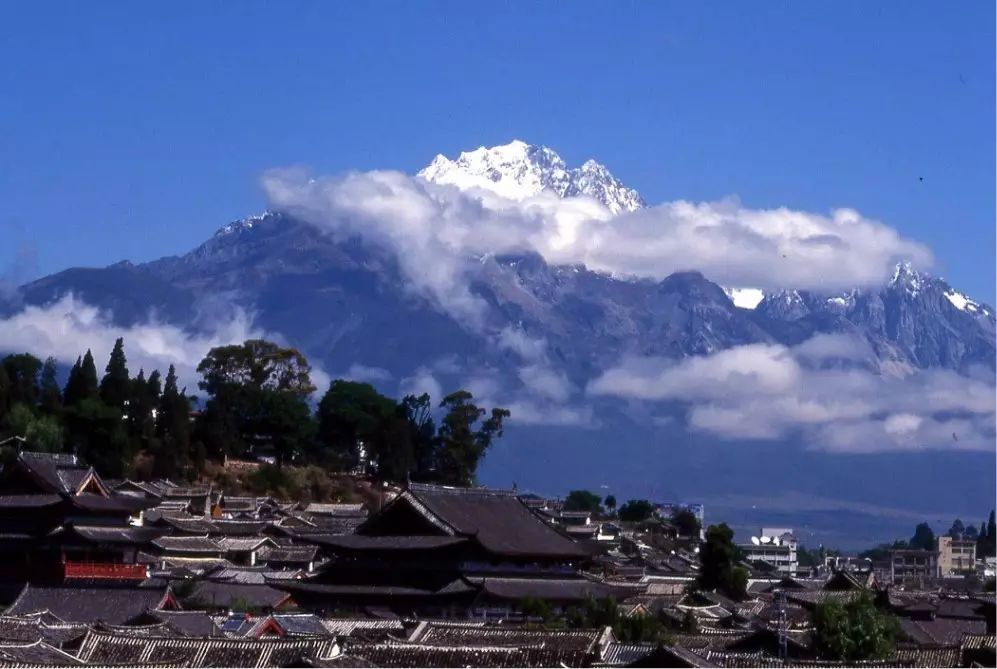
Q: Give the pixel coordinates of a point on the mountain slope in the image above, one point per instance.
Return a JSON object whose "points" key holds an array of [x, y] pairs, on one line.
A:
{"points": [[548, 330]]}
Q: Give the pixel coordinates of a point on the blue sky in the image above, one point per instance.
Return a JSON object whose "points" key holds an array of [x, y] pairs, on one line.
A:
{"points": [[134, 131]]}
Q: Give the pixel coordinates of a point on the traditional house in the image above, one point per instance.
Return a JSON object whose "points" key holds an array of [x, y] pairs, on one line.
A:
{"points": [[59, 520], [446, 551]]}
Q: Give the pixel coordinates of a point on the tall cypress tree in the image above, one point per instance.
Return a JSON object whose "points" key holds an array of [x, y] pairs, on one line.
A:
{"points": [[115, 386], [74, 392], [51, 398], [88, 378], [982, 541]]}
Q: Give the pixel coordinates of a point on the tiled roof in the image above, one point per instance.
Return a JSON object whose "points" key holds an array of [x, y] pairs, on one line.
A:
{"points": [[582, 641], [28, 501], [336, 509], [974, 641], [115, 535], [44, 627], [347, 626], [496, 519], [232, 528], [551, 588], [294, 554], [106, 649], [37, 653], [241, 543], [356, 542], [619, 654], [394, 654], [73, 604], [188, 623], [215, 595], [187, 545], [942, 631]]}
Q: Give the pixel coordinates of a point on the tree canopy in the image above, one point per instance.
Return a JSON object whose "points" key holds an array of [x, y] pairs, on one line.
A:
{"points": [[718, 568], [636, 510], [583, 500], [854, 631]]}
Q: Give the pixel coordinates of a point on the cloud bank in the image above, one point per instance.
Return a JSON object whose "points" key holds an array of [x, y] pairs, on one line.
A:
{"points": [[767, 391], [437, 231]]}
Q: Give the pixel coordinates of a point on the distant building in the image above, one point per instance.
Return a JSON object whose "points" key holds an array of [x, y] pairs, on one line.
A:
{"points": [[775, 546], [955, 556], [913, 565]]}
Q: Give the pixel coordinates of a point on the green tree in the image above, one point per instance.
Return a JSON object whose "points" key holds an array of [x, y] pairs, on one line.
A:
{"points": [[82, 383], [462, 440], [244, 382], [636, 510], [351, 413], [45, 434], [418, 412], [172, 426], [923, 537], [115, 387], [686, 522], [51, 396], [982, 541], [855, 631], [717, 563], [610, 503], [583, 500], [22, 372]]}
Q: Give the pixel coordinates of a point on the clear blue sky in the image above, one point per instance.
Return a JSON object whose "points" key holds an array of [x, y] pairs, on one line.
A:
{"points": [[134, 130]]}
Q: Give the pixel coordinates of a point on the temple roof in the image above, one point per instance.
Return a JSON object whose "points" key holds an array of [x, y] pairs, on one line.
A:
{"points": [[356, 542], [496, 519], [74, 604]]}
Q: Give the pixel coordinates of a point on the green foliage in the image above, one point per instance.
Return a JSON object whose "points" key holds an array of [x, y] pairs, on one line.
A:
{"points": [[44, 433], [717, 558], [258, 400], [686, 522], [854, 631], [462, 440], [349, 413], [50, 399], [22, 375], [115, 387], [610, 503], [605, 612], [534, 607], [924, 537], [583, 500], [636, 510], [82, 383]]}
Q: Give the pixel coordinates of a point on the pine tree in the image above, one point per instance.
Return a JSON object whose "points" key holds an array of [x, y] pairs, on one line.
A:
{"points": [[173, 428], [115, 386], [74, 392], [982, 541], [51, 397], [88, 378]]}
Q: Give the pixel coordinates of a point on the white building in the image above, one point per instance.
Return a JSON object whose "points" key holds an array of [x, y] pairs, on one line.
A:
{"points": [[774, 545]]}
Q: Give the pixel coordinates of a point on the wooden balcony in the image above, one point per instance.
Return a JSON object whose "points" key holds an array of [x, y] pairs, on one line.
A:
{"points": [[104, 570]]}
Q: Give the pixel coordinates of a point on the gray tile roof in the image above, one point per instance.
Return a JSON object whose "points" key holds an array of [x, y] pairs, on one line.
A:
{"points": [[115, 605]]}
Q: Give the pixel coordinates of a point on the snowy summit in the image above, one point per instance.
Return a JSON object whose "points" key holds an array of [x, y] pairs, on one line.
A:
{"points": [[518, 170]]}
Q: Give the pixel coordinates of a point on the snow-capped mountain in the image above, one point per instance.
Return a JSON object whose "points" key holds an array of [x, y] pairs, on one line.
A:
{"points": [[518, 170], [346, 303]]}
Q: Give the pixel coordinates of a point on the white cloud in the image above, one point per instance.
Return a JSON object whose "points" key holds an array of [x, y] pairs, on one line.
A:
{"points": [[436, 230], [771, 391], [422, 381], [68, 327]]}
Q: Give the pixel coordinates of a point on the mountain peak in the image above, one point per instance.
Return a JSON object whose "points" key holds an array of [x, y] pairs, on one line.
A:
{"points": [[519, 170]]}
